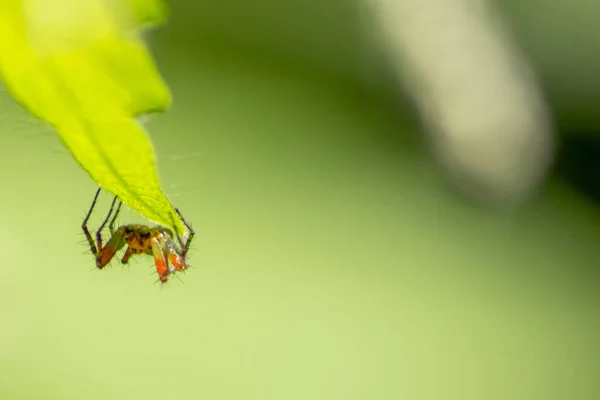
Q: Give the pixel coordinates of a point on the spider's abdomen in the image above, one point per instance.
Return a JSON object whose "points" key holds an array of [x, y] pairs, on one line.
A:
{"points": [[138, 238]]}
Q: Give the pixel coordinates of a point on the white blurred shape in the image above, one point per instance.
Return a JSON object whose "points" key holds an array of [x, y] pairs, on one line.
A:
{"points": [[476, 94]]}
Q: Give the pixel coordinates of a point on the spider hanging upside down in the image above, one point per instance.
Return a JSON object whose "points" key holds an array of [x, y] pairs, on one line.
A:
{"points": [[169, 255]]}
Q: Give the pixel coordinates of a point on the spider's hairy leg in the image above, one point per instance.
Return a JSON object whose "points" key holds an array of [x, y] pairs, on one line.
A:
{"points": [[114, 244], [160, 259], [88, 236], [175, 255], [191, 233], [111, 226], [126, 256], [103, 224]]}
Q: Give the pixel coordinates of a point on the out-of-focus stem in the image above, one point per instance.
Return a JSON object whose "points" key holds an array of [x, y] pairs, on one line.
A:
{"points": [[478, 98]]}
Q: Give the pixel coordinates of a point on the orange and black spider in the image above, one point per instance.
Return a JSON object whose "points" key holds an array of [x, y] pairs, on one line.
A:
{"points": [[158, 241]]}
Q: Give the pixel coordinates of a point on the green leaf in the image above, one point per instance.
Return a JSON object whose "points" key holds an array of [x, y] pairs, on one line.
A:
{"points": [[148, 12], [79, 66]]}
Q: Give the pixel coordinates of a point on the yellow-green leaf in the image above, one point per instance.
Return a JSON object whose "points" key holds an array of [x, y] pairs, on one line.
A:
{"points": [[79, 66], [148, 12]]}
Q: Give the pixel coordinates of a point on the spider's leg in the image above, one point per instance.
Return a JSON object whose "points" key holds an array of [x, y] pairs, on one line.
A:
{"points": [[101, 227], [191, 234], [87, 217], [160, 260], [88, 236], [179, 239], [175, 255], [114, 244], [111, 226], [126, 256]]}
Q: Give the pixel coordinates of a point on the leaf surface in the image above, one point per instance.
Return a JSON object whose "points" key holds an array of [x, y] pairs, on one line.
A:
{"points": [[83, 67]]}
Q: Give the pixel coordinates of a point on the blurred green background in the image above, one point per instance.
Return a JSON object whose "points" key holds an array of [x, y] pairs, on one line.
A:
{"points": [[330, 262]]}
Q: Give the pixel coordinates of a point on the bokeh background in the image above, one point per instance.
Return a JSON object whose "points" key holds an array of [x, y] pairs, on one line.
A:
{"points": [[331, 259]]}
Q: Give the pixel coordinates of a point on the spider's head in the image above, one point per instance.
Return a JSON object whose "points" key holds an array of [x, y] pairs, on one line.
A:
{"points": [[167, 231]]}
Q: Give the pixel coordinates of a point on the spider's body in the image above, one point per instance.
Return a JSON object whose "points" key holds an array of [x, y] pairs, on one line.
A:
{"points": [[158, 241]]}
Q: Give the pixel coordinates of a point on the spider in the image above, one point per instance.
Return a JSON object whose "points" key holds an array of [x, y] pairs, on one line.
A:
{"points": [[169, 252]]}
